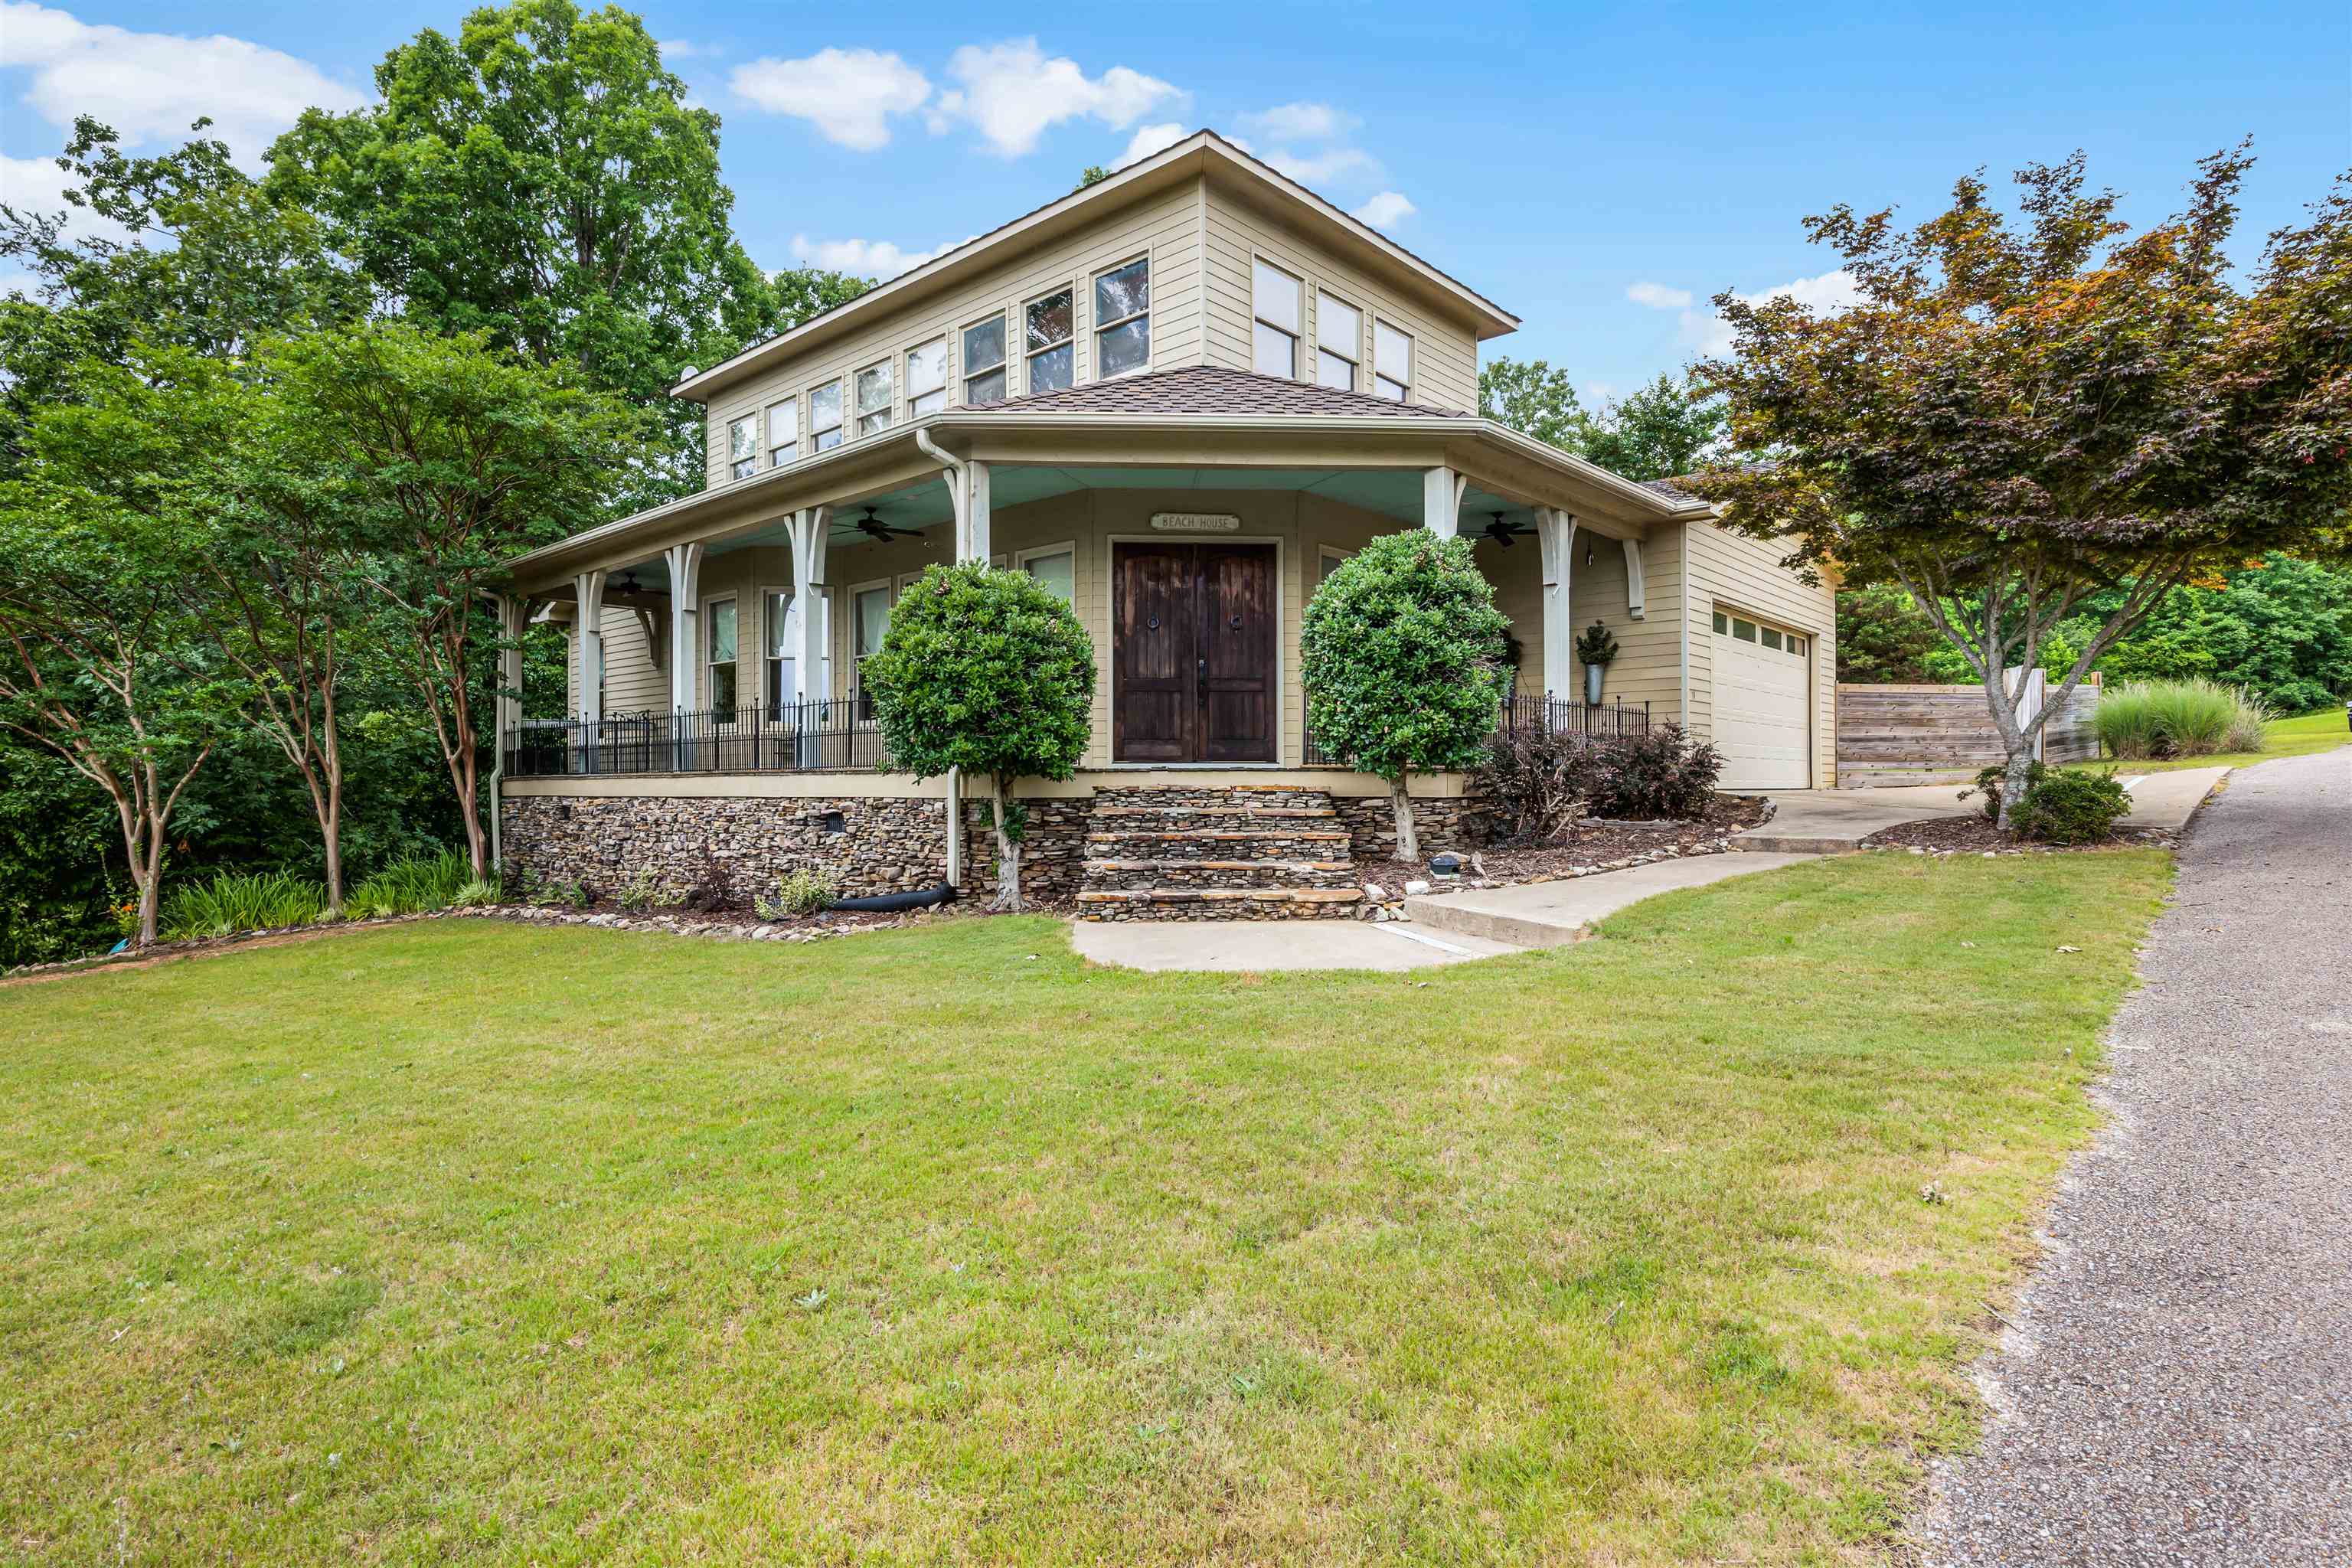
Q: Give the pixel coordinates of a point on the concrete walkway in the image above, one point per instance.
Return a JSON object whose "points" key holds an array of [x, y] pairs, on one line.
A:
{"points": [[1264, 946], [1833, 821], [1553, 914], [2178, 1388]]}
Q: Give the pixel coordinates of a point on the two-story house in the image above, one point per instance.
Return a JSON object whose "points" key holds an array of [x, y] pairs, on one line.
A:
{"points": [[1179, 396]]}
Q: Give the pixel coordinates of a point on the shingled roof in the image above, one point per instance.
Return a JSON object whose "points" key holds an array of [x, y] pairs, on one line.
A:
{"points": [[1214, 389]]}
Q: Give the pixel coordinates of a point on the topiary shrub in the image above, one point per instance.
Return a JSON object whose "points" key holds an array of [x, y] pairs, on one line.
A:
{"points": [[988, 672], [1662, 773], [2072, 807], [1401, 650]]}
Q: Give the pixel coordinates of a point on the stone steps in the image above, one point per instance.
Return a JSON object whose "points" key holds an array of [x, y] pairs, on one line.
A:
{"points": [[1240, 852]]}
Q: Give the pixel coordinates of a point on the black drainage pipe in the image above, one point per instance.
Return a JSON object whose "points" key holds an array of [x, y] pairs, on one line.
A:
{"points": [[895, 904]]}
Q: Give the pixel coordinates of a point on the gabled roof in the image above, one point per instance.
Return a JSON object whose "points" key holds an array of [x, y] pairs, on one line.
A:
{"points": [[1214, 389], [1198, 154]]}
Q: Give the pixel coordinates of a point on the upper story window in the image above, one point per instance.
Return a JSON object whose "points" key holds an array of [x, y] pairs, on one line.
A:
{"points": [[983, 361], [927, 378], [1123, 320], [1050, 326], [825, 418], [1339, 341], [874, 398], [1274, 297], [783, 431], [1391, 361], [743, 447]]}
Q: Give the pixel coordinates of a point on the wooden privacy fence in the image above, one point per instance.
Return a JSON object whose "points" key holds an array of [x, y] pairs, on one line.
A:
{"points": [[1943, 734]]}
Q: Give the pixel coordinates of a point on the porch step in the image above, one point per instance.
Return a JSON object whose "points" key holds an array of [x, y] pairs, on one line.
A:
{"points": [[1219, 903]]}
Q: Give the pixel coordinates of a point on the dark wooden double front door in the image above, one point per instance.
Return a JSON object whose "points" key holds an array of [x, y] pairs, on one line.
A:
{"points": [[1193, 657]]}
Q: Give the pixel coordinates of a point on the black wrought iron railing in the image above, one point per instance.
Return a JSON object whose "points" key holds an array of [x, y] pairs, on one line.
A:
{"points": [[1552, 715], [832, 735]]}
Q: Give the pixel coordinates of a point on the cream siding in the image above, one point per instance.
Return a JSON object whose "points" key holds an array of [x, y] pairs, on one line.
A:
{"points": [[1741, 573], [1165, 227], [632, 684], [1445, 352]]}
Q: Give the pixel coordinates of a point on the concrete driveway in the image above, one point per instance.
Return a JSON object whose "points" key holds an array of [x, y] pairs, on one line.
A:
{"points": [[1832, 821]]}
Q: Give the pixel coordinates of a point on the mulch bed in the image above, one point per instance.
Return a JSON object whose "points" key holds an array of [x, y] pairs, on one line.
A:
{"points": [[1975, 835], [1609, 847]]}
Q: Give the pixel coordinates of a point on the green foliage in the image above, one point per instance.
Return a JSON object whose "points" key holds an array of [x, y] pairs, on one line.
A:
{"points": [[1596, 644], [1534, 399], [799, 893], [1092, 174], [541, 180], [984, 670], [1989, 784], [415, 884], [1402, 651], [1885, 639], [2071, 806], [232, 902], [2281, 629], [2180, 719], [1665, 430]]}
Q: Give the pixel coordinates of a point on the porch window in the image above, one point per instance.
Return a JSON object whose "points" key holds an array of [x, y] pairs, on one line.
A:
{"points": [[1123, 320], [1391, 361], [743, 447], [1049, 341], [1339, 341], [783, 431], [825, 418], [776, 620], [1275, 296], [983, 361], [719, 617], [874, 398], [927, 378], [1056, 570]]}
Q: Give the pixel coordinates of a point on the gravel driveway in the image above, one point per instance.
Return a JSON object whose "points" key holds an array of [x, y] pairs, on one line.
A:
{"points": [[2179, 1388]]}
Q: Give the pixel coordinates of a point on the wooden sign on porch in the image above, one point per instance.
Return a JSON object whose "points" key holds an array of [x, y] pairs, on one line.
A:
{"points": [[1196, 521]]}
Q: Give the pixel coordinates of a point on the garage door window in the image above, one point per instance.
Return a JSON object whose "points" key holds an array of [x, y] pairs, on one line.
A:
{"points": [[1797, 646], [1771, 638], [1744, 630]]}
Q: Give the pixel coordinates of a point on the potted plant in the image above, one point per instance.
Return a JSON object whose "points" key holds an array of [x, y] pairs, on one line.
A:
{"points": [[1594, 649]]}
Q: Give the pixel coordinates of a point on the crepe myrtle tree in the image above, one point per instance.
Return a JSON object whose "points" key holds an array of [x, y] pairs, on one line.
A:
{"points": [[987, 671], [2017, 416], [1403, 652]]}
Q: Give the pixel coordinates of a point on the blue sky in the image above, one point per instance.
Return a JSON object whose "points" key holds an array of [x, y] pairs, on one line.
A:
{"points": [[1598, 171]]}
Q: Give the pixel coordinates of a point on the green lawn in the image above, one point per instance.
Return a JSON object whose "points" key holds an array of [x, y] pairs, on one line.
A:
{"points": [[464, 1241], [2296, 737]]}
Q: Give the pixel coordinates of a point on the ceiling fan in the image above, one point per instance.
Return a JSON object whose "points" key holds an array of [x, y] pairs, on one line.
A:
{"points": [[874, 528], [1503, 532]]}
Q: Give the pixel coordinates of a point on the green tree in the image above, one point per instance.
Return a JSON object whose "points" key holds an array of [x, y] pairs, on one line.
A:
{"points": [[1883, 639], [541, 180], [1402, 653], [1092, 174], [1534, 399], [2015, 417], [988, 672], [1666, 429], [447, 456]]}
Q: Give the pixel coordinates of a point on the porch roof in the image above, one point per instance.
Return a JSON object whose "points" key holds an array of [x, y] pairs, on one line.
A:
{"points": [[1200, 427]]}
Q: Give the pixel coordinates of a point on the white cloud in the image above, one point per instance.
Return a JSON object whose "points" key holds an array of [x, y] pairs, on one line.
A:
{"points": [[686, 49], [1012, 94], [866, 258], [849, 95], [1300, 122], [1151, 138], [1658, 297], [1825, 295], [1332, 164], [1387, 208], [151, 86]]}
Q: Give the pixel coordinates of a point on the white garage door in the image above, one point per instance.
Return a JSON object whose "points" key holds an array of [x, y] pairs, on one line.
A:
{"points": [[1761, 676]]}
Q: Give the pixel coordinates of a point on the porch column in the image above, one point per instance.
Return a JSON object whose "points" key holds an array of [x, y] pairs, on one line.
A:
{"points": [[589, 620], [809, 528], [1634, 605], [685, 564], [1441, 501], [1556, 532], [514, 616], [971, 534]]}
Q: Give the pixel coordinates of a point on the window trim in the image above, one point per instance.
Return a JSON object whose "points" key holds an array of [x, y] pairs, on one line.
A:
{"points": [[963, 374], [768, 427], [1323, 552], [707, 624], [1030, 357], [1096, 326], [888, 413], [1356, 360], [767, 656], [1412, 360], [1021, 559], [906, 395], [1259, 259], [808, 401], [743, 468]]}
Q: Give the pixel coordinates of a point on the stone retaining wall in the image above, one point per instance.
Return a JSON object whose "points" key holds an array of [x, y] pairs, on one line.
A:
{"points": [[1452, 822], [865, 844], [1053, 852]]}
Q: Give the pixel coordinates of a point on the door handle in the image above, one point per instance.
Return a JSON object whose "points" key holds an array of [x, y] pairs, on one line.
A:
{"points": [[1201, 682]]}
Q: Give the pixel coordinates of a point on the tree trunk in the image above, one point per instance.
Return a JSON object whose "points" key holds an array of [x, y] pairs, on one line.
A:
{"points": [[1008, 859], [2017, 749], [150, 885], [1408, 840], [331, 831]]}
